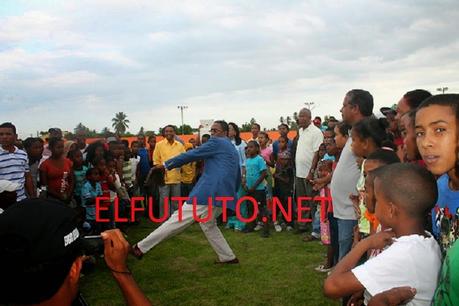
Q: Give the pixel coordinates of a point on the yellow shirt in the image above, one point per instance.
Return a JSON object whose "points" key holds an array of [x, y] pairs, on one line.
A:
{"points": [[165, 151], [188, 172]]}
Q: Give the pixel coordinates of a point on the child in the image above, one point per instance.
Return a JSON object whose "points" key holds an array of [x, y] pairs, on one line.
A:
{"points": [[332, 151], [437, 138], [127, 167], [34, 149], [283, 181], [205, 138], [368, 135], [151, 147], [403, 192], [375, 160], [106, 183], [90, 190], [79, 171], [94, 151], [113, 178], [316, 228], [266, 151], [134, 159], [329, 133], [322, 151], [252, 182], [325, 168], [56, 174], [116, 152], [341, 135], [410, 149], [69, 145]]}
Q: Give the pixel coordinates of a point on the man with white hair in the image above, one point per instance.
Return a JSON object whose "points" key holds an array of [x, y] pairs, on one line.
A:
{"points": [[308, 142]]}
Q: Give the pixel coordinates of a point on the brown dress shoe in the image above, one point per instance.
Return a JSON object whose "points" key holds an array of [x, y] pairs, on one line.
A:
{"points": [[231, 262]]}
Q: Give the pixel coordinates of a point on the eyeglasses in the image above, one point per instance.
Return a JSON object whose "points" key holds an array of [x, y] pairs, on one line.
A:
{"points": [[215, 130]]}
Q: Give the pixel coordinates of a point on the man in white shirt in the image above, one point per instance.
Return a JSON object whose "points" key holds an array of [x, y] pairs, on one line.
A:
{"points": [[306, 157]]}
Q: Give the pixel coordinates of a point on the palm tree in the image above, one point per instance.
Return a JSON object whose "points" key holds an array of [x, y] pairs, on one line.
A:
{"points": [[120, 123], [295, 116]]}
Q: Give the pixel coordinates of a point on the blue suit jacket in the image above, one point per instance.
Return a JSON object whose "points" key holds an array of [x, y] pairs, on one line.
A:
{"points": [[222, 175]]}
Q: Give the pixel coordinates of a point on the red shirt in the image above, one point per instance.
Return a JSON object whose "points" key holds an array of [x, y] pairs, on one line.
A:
{"points": [[57, 178], [105, 190]]}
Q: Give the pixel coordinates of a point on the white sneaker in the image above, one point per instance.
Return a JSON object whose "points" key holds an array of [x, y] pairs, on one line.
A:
{"points": [[258, 227], [321, 268], [289, 228], [315, 235], [278, 228]]}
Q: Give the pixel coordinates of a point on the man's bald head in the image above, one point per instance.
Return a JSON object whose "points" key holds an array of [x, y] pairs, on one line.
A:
{"points": [[304, 117]]}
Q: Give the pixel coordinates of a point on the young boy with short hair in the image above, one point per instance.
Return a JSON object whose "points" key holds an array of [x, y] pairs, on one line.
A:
{"points": [[404, 193]]}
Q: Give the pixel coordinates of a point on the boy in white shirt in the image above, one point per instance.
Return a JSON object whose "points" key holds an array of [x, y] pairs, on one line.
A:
{"points": [[404, 193]]}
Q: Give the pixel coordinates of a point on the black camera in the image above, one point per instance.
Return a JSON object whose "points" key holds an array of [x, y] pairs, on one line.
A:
{"points": [[93, 245]]}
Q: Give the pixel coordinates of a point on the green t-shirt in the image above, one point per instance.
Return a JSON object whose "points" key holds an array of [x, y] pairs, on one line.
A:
{"points": [[447, 292]]}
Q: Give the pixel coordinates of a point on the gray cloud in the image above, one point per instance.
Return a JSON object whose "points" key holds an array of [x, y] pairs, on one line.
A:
{"points": [[82, 61]]}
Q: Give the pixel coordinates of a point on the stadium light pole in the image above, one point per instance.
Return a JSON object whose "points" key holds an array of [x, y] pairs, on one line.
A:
{"points": [[310, 105], [442, 89], [182, 107]]}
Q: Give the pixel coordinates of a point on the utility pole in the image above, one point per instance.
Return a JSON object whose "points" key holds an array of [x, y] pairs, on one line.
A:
{"points": [[182, 107], [442, 89]]}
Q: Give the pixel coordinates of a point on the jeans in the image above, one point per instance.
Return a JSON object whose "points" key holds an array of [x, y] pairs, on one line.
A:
{"points": [[334, 237], [345, 233], [316, 221], [168, 191], [186, 189]]}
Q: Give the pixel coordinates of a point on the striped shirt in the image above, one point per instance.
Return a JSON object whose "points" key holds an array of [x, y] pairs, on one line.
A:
{"points": [[127, 172], [13, 167]]}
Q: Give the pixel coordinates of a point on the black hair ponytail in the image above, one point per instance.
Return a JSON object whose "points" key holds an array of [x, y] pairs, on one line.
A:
{"points": [[376, 130]]}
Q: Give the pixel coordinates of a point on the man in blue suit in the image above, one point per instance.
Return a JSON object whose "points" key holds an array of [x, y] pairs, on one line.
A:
{"points": [[221, 178]]}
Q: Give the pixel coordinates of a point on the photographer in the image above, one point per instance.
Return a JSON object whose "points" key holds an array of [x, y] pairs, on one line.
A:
{"points": [[42, 254]]}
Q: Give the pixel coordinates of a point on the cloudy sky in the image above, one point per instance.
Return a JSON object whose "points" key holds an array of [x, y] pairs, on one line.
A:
{"points": [[65, 62]]}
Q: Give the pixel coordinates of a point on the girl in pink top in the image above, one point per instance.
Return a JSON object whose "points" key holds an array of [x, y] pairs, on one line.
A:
{"points": [[266, 150]]}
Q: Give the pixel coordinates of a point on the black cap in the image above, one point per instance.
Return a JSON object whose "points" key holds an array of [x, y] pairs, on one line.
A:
{"points": [[388, 110], [39, 242]]}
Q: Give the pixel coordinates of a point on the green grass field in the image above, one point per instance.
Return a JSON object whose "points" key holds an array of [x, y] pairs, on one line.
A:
{"points": [[273, 271]]}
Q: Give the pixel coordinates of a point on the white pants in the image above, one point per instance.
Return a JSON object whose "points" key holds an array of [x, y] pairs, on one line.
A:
{"points": [[173, 226]]}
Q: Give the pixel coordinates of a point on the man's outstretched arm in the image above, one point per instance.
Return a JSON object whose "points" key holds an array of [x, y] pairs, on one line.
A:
{"points": [[200, 153]]}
